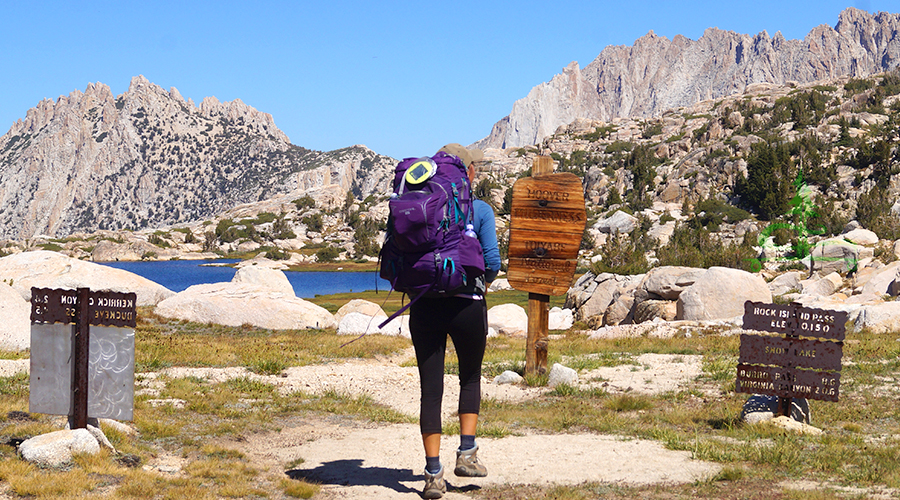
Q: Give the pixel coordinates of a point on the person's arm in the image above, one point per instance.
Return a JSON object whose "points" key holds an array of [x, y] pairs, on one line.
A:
{"points": [[486, 230]]}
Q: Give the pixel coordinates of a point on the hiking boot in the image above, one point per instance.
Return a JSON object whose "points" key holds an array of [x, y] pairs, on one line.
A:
{"points": [[467, 464], [435, 486]]}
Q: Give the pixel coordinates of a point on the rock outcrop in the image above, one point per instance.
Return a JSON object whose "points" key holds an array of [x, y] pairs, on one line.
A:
{"points": [[720, 293], [148, 158], [45, 269], [255, 296], [657, 74], [264, 277], [15, 329], [666, 293]]}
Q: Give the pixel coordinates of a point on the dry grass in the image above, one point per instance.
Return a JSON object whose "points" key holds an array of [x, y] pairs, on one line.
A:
{"points": [[860, 447]]}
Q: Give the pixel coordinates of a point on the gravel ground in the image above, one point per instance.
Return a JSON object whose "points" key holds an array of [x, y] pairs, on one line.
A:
{"points": [[357, 460]]}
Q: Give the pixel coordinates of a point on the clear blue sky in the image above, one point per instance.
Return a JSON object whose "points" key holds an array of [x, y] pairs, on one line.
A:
{"points": [[403, 78]]}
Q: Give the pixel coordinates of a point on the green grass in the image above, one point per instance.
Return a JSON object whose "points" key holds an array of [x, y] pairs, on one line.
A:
{"points": [[161, 343]]}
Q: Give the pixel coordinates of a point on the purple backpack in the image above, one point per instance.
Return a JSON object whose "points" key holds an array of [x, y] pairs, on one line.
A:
{"points": [[428, 250]]}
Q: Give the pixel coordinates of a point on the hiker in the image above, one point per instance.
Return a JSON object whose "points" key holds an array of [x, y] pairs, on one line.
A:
{"points": [[464, 318]]}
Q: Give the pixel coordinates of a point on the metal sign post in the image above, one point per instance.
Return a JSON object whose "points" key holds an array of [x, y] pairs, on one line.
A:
{"points": [[81, 355], [68, 377], [546, 225], [791, 366]]}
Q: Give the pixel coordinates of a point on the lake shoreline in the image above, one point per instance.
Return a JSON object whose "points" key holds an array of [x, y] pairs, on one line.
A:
{"points": [[330, 267], [307, 280]]}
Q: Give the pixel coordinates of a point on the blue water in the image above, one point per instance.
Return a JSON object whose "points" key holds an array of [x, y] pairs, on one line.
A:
{"points": [[177, 275]]}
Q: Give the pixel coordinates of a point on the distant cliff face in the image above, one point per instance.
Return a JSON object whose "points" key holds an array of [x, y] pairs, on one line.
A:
{"points": [[657, 74], [149, 158]]}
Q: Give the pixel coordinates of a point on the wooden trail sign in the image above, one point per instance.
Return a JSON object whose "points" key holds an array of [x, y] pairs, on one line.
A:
{"points": [[791, 366], [545, 230]]}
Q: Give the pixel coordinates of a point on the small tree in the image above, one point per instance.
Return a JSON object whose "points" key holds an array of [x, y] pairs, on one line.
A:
{"points": [[623, 254], [767, 186], [313, 222], [613, 198], [281, 230]]}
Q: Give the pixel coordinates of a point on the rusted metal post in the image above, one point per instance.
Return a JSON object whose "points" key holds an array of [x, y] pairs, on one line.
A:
{"points": [[80, 359]]}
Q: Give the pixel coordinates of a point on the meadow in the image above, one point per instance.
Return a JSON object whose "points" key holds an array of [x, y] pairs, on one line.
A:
{"points": [[857, 456]]}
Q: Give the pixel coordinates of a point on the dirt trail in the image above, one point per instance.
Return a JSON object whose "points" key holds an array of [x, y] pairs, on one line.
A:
{"points": [[354, 460], [365, 460]]}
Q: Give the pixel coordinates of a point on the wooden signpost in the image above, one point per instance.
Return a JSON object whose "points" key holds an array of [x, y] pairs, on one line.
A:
{"points": [[791, 366], [546, 225]]}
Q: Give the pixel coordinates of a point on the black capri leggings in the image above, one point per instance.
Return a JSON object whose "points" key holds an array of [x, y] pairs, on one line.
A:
{"points": [[430, 321]]}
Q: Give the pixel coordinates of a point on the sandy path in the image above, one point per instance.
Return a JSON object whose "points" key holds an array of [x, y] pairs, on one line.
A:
{"points": [[364, 460]]}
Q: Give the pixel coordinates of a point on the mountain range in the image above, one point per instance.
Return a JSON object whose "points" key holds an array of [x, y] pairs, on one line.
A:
{"points": [[656, 74], [149, 158]]}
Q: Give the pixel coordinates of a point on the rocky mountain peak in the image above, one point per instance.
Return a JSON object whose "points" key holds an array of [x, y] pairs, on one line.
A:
{"points": [[656, 74], [148, 158]]}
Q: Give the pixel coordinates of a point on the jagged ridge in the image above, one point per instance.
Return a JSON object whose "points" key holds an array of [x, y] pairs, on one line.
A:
{"points": [[657, 74], [148, 158]]}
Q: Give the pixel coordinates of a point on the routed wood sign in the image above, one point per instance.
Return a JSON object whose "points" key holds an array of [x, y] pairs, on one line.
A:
{"points": [[546, 226]]}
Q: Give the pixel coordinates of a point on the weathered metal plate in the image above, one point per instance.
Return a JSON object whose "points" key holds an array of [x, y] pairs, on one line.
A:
{"points": [[794, 319], [788, 382], [762, 350], [110, 371], [776, 318], [771, 380], [546, 225], [50, 385], [822, 386], [821, 323], [55, 305]]}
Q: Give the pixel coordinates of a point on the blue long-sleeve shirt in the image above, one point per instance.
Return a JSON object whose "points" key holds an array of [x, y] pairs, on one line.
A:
{"points": [[486, 230]]}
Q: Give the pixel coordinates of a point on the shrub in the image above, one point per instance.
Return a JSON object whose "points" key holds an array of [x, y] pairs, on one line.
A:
{"points": [[228, 231], [693, 246], [313, 222], [484, 187], [873, 211], [623, 255], [721, 211], [651, 130], [782, 236], [263, 218], [619, 147], [158, 240], [276, 254], [189, 236], [328, 254], [598, 133], [209, 241], [857, 85], [304, 202], [506, 208], [281, 230]]}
